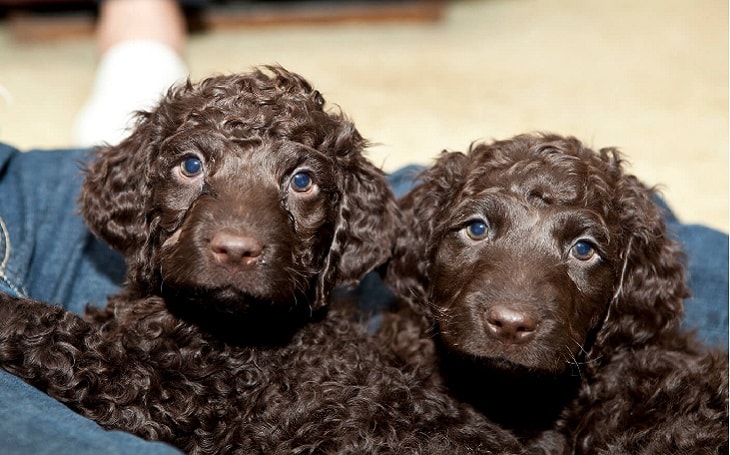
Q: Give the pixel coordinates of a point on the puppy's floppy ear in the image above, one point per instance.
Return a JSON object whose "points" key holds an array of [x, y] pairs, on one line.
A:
{"points": [[369, 218], [649, 302], [421, 210], [367, 215], [116, 191]]}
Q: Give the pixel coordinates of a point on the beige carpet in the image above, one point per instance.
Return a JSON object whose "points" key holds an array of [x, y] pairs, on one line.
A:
{"points": [[650, 77]]}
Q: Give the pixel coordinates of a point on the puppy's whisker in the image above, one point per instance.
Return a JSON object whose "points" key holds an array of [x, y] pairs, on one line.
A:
{"points": [[571, 360]]}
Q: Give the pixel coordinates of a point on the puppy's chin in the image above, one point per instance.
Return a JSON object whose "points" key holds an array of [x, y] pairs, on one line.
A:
{"points": [[238, 318], [230, 300], [486, 354], [505, 365]]}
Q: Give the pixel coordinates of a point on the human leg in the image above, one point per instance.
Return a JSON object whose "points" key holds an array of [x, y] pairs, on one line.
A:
{"points": [[140, 43], [47, 252], [707, 261]]}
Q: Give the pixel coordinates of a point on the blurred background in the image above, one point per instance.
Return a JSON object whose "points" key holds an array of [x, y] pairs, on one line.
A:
{"points": [[418, 77]]}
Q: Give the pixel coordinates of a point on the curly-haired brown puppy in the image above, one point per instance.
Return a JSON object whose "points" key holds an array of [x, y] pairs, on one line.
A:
{"points": [[555, 294], [239, 204]]}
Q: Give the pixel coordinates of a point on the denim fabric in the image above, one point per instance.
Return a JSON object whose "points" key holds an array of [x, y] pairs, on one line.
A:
{"points": [[47, 253], [707, 260], [32, 423]]}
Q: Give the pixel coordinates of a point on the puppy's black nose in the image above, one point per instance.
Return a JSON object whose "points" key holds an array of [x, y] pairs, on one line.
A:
{"points": [[235, 250], [510, 326]]}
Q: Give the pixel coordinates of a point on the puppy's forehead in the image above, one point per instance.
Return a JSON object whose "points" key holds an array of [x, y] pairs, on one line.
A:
{"points": [[538, 183], [541, 174]]}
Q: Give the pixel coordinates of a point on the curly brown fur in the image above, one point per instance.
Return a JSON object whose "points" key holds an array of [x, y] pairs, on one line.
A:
{"points": [[544, 270], [239, 204]]}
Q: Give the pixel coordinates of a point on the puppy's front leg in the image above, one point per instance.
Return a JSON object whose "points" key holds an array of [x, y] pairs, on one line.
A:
{"points": [[61, 354], [40, 342]]}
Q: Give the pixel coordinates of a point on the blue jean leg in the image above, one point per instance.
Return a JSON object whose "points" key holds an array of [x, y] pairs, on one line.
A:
{"points": [[47, 253], [33, 423], [707, 255]]}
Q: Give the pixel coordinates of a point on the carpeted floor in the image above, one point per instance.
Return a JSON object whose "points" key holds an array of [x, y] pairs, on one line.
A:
{"points": [[650, 77]]}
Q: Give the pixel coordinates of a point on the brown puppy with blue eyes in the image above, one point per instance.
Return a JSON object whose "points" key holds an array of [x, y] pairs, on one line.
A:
{"points": [[554, 293], [240, 203]]}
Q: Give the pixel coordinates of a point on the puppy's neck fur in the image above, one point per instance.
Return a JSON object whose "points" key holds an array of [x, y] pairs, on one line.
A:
{"points": [[256, 324], [527, 402]]}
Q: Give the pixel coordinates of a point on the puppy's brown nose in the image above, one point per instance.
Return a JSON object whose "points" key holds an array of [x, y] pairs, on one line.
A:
{"points": [[510, 326], [235, 250]]}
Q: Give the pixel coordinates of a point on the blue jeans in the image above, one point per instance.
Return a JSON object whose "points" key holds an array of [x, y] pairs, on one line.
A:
{"points": [[47, 253]]}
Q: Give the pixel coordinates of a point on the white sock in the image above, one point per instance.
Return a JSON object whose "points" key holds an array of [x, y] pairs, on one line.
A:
{"points": [[131, 76]]}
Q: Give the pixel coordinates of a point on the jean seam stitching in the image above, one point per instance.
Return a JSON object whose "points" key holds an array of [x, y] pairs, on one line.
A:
{"points": [[6, 238], [6, 258]]}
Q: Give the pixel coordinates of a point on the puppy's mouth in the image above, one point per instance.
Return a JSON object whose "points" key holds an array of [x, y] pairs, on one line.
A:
{"points": [[234, 316], [230, 299], [231, 272], [503, 355]]}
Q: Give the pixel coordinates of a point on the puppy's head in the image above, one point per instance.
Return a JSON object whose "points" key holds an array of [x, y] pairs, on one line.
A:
{"points": [[531, 252], [242, 190]]}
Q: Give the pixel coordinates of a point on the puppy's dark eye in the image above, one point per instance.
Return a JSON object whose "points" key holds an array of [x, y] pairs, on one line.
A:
{"points": [[477, 230], [191, 166], [582, 250], [301, 182]]}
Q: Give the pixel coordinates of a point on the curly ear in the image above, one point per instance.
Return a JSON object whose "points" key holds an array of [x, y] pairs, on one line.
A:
{"points": [[369, 217], [365, 230], [420, 210], [649, 300], [116, 192]]}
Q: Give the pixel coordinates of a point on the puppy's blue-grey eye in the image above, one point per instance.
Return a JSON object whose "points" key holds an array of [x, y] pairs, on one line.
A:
{"points": [[191, 166], [477, 230], [582, 250], [301, 182]]}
